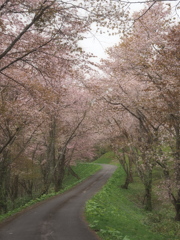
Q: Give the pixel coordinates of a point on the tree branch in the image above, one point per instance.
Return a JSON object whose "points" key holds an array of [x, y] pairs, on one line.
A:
{"points": [[35, 19]]}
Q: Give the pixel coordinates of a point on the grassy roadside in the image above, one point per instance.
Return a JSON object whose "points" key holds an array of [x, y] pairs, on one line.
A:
{"points": [[105, 158], [114, 214], [83, 170]]}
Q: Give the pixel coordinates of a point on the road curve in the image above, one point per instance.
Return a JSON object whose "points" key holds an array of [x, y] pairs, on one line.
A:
{"points": [[60, 218]]}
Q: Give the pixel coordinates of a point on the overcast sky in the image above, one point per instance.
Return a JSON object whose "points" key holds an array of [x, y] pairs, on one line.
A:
{"points": [[97, 43]]}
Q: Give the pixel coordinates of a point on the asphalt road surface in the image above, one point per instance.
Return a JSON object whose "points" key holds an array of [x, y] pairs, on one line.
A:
{"points": [[60, 218]]}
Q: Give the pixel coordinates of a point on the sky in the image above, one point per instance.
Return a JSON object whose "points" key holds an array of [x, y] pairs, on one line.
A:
{"points": [[97, 43]]}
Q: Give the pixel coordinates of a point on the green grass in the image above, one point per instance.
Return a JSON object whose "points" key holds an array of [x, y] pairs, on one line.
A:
{"points": [[118, 214], [115, 217], [83, 170], [105, 158]]}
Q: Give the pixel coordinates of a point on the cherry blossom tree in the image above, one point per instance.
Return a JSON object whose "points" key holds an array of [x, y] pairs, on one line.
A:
{"points": [[38, 53], [142, 81]]}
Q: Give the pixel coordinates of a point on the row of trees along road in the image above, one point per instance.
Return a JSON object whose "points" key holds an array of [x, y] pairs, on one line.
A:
{"points": [[45, 118], [54, 109], [141, 87]]}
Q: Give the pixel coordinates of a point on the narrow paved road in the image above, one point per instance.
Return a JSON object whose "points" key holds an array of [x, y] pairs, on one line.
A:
{"points": [[60, 218]]}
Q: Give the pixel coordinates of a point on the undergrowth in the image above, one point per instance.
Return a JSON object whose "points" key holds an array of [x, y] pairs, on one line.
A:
{"points": [[105, 158], [117, 214], [83, 170]]}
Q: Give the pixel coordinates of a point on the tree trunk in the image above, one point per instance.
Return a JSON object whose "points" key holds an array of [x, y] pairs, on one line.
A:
{"points": [[148, 190], [14, 189], [131, 180], [28, 187], [148, 199], [3, 187], [176, 203], [3, 199], [58, 180], [177, 171], [58, 185], [72, 172], [126, 162], [45, 188], [127, 181], [59, 176], [177, 207]]}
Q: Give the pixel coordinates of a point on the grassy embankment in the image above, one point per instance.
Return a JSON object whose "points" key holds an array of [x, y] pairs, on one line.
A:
{"points": [[118, 214], [83, 170]]}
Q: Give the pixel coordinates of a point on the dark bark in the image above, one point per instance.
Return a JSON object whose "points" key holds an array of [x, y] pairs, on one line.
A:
{"points": [[14, 189], [72, 172], [59, 173], [46, 176], [26, 28], [28, 186], [126, 162], [4, 181], [148, 198], [3, 198], [176, 200], [176, 203], [58, 180], [46, 185], [177, 208], [127, 182]]}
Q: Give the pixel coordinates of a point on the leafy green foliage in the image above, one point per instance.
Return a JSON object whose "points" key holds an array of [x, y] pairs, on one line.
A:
{"points": [[83, 170], [114, 215], [105, 158]]}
